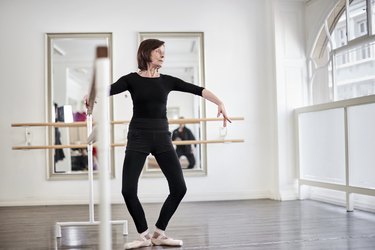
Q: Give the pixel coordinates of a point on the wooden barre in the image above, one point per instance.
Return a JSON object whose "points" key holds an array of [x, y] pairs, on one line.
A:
{"points": [[49, 147], [50, 124], [83, 124], [187, 120], [187, 142], [124, 144]]}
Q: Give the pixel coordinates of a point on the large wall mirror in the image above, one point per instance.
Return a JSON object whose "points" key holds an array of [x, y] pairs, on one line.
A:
{"points": [[70, 68], [184, 58]]}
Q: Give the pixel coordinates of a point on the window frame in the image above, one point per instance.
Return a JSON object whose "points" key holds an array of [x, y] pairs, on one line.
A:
{"points": [[367, 38]]}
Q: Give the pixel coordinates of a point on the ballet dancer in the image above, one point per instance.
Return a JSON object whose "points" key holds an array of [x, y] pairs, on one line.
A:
{"points": [[149, 133]]}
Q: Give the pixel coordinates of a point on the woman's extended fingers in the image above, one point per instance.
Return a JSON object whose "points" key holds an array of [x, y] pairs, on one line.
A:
{"points": [[221, 110], [225, 119]]}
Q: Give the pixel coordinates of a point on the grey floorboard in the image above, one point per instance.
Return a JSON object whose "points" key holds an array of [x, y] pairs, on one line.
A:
{"points": [[234, 225]]}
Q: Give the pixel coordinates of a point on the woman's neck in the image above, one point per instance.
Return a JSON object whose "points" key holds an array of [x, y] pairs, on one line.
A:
{"points": [[150, 72]]}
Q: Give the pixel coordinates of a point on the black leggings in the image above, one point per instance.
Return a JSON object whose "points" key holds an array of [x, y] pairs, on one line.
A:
{"points": [[171, 168]]}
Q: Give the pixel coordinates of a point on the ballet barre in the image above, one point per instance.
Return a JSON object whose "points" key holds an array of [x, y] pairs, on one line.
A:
{"points": [[50, 124], [191, 142], [84, 124], [49, 147], [89, 123], [187, 120], [187, 142]]}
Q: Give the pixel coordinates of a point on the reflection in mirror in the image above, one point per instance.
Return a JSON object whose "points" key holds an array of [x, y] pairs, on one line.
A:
{"points": [[70, 60], [183, 59]]}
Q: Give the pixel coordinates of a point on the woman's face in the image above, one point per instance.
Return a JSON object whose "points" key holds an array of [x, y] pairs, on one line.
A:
{"points": [[157, 57]]}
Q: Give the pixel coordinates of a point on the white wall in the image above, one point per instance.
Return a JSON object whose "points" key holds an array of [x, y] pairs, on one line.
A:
{"points": [[237, 69], [288, 77]]}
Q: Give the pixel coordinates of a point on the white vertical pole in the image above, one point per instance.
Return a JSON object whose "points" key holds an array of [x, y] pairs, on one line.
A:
{"points": [[349, 196], [102, 83], [91, 170]]}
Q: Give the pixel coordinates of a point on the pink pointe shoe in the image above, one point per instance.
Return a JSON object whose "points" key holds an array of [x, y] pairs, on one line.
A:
{"points": [[142, 242], [162, 240]]}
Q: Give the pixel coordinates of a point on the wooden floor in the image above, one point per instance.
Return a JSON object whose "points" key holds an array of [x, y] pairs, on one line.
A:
{"points": [[234, 225]]}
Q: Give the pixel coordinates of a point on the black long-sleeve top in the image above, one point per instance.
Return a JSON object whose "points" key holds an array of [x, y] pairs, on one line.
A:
{"points": [[150, 95]]}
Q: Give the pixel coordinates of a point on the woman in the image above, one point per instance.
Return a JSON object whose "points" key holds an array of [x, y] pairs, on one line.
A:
{"points": [[149, 133]]}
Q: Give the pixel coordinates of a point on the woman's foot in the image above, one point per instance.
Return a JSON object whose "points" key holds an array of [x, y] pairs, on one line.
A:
{"points": [[162, 240], [144, 241]]}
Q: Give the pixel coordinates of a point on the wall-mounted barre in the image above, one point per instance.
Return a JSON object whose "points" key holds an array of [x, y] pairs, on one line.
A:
{"points": [[124, 144], [50, 124], [187, 142], [49, 147], [187, 120], [83, 124]]}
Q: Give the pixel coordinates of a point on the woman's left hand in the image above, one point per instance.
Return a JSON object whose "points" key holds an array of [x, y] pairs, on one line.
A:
{"points": [[221, 110]]}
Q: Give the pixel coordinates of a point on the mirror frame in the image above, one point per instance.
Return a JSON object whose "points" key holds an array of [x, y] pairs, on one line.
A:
{"points": [[49, 37], [202, 107]]}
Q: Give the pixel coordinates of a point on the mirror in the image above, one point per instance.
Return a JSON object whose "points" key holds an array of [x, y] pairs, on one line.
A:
{"points": [[70, 69], [183, 59]]}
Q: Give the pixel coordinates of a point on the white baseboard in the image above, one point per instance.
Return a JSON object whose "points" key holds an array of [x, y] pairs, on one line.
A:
{"points": [[288, 195], [285, 195], [214, 196]]}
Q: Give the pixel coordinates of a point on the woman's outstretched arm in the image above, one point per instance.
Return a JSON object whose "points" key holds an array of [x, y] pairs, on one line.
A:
{"points": [[208, 95]]}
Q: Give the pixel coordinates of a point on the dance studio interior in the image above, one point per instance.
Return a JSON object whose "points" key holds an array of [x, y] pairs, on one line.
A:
{"points": [[293, 169]]}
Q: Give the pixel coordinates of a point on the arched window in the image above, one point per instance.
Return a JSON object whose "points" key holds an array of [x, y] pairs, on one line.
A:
{"points": [[342, 63]]}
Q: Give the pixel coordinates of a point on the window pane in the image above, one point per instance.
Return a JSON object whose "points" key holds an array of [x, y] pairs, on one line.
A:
{"points": [[357, 19], [373, 16], [321, 80], [339, 33], [355, 72]]}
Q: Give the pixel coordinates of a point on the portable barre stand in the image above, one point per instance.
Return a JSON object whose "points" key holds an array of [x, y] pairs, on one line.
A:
{"points": [[91, 221], [101, 79]]}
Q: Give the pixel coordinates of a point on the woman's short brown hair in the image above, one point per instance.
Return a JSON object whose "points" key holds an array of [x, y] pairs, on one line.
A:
{"points": [[144, 52]]}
